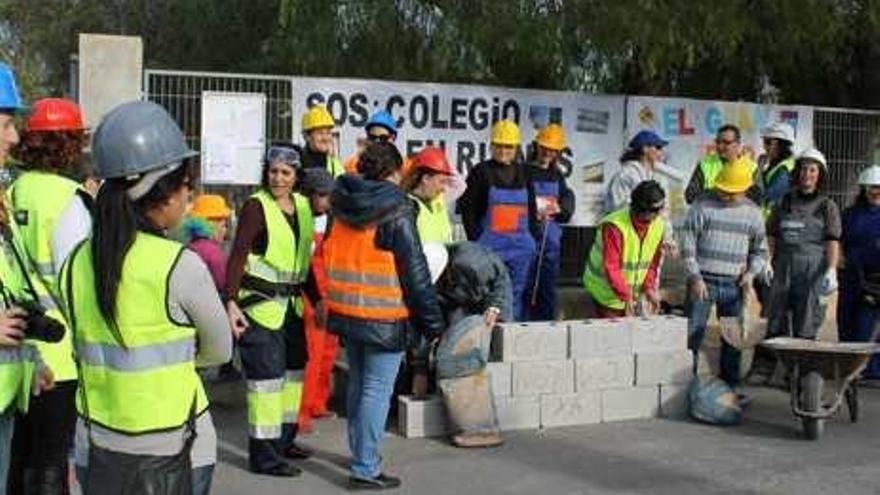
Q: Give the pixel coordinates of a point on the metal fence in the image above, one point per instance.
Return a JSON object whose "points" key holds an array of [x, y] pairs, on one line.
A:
{"points": [[848, 137]]}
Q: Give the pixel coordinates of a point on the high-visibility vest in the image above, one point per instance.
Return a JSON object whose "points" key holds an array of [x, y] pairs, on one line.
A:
{"points": [[17, 363], [769, 176], [334, 166], [362, 280], [711, 165], [148, 381], [285, 262], [432, 220], [38, 199], [636, 257]]}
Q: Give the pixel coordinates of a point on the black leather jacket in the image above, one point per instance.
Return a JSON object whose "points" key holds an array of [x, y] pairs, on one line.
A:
{"points": [[361, 202]]}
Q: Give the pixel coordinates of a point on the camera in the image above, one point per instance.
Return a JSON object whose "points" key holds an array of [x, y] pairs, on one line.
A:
{"points": [[39, 326]]}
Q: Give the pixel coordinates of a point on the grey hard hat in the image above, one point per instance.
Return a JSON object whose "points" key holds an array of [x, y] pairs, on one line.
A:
{"points": [[137, 137]]}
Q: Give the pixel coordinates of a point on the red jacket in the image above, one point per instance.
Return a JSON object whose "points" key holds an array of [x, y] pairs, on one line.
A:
{"points": [[612, 240]]}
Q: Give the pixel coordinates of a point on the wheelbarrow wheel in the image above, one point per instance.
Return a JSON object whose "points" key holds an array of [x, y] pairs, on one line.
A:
{"points": [[812, 402], [852, 401]]}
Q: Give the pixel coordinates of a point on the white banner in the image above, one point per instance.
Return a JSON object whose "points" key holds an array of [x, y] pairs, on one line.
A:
{"points": [[233, 137], [690, 127], [459, 118]]}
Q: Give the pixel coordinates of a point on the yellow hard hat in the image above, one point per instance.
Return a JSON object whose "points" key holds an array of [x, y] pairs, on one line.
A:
{"points": [[551, 137], [317, 117], [735, 177], [506, 132], [210, 206]]}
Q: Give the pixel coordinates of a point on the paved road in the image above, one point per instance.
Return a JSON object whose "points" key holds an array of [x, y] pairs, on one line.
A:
{"points": [[765, 455]]}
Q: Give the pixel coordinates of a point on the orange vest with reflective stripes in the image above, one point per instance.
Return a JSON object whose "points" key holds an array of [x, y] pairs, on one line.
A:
{"points": [[362, 279]]}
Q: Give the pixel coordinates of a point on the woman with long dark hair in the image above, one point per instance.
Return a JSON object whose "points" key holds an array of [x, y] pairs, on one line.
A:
{"points": [[267, 274], [144, 314]]}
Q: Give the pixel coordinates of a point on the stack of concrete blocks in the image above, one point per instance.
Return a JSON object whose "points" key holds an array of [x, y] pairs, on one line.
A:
{"points": [[550, 374]]}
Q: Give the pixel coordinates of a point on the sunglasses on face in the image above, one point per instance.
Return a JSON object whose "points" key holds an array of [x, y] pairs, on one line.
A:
{"points": [[378, 138], [287, 155]]}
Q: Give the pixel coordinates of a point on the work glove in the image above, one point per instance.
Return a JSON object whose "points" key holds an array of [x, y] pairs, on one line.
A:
{"points": [[828, 284]]}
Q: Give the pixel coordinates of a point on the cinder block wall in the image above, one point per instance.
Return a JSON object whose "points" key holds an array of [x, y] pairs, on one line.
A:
{"points": [[549, 374]]}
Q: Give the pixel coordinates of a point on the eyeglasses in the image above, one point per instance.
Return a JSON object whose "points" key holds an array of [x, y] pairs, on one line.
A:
{"points": [[726, 142], [284, 154], [377, 138]]}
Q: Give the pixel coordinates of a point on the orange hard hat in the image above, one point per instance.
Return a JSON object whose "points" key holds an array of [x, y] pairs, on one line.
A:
{"points": [[552, 137], [55, 114], [210, 206], [433, 158]]}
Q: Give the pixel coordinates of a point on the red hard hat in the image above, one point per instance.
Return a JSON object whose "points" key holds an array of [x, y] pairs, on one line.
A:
{"points": [[55, 114], [433, 158]]}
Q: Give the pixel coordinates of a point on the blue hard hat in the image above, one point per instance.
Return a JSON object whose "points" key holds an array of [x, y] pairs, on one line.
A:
{"points": [[382, 118], [10, 98], [647, 138]]}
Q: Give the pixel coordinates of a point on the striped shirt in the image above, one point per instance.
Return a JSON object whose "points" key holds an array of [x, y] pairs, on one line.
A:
{"points": [[723, 239]]}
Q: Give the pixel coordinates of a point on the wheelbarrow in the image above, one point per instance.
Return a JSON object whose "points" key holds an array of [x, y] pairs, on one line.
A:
{"points": [[812, 364]]}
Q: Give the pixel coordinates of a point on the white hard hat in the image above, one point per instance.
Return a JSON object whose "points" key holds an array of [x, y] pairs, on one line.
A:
{"points": [[779, 130], [870, 176], [437, 256], [815, 155]]}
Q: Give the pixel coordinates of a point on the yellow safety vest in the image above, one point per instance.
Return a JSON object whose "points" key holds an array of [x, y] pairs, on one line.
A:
{"points": [[636, 259], [17, 363], [432, 220], [148, 381]]}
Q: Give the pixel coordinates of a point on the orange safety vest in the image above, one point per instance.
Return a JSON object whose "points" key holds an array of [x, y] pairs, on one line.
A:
{"points": [[362, 279]]}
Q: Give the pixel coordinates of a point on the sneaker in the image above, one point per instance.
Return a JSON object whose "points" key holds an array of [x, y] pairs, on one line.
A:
{"points": [[381, 482]]}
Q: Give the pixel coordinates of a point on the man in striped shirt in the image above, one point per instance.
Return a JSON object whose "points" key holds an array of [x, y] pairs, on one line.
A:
{"points": [[724, 247]]}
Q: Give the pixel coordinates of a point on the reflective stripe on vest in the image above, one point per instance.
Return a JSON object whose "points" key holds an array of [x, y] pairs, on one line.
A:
{"points": [[147, 382], [38, 199], [432, 221], [286, 260], [17, 366], [362, 279], [636, 258]]}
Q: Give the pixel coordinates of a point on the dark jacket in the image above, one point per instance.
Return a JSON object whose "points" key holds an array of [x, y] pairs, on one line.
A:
{"points": [[566, 196], [360, 202], [475, 279]]}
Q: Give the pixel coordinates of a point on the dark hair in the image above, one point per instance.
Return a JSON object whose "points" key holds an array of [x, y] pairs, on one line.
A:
{"points": [[799, 165], [861, 200], [729, 127], [632, 154], [117, 219], [647, 194], [379, 160], [785, 151], [414, 178], [264, 175], [52, 151]]}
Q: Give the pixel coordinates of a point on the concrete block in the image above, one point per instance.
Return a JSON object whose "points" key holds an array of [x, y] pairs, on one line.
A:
{"points": [[534, 341], [630, 403], [653, 368], [422, 418], [599, 373], [502, 378], [658, 333], [571, 409], [518, 413], [599, 338], [673, 401], [544, 377]]}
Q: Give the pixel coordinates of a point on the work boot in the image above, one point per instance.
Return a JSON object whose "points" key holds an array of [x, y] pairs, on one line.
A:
{"points": [[281, 471], [296, 451], [477, 440], [381, 482]]}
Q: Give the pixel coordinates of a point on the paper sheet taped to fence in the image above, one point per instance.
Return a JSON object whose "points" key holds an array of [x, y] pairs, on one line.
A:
{"points": [[459, 118], [690, 127], [233, 137]]}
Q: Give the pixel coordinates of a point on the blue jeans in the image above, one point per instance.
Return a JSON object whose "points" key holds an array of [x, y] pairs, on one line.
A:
{"points": [[371, 377], [725, 294], [7, 423]]}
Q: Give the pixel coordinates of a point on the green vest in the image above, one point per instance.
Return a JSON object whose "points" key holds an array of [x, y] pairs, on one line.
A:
{"points": [[711, 165], [147, 382], [636, 258], [787, 165], [38, 199], [432, 221], [17, 363], [286, 260], [334, 166]]}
